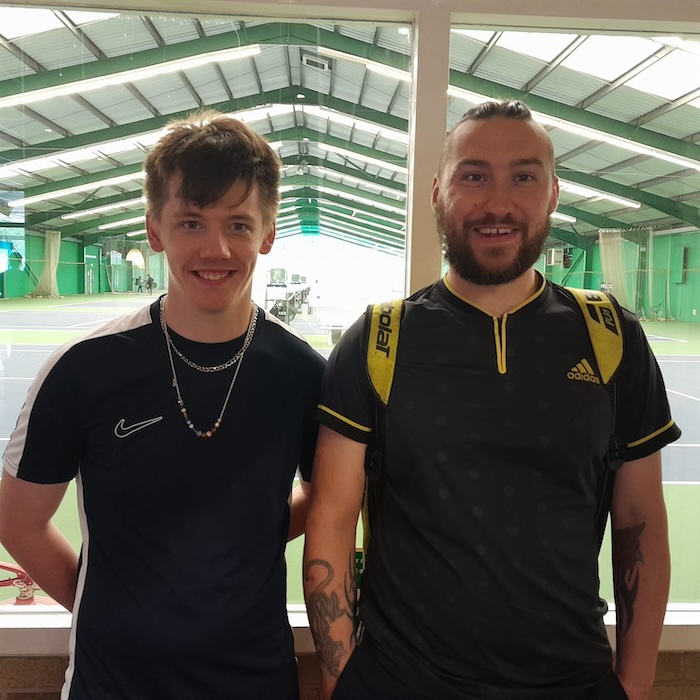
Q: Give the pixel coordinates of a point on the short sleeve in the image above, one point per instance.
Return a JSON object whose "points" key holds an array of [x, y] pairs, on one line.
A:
{"points": [[347, 404], [45, 444], [643, 413]]}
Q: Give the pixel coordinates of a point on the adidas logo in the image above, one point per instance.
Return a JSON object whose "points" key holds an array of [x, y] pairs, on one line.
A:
{"points": [[583, 372]]}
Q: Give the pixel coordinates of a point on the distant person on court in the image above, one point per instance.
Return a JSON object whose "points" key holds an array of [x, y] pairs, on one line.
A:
{"points": [[481, 578], [139, 284], [185, 497], [149, 284]]}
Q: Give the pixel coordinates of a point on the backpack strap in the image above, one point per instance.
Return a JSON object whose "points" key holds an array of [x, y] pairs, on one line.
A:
{"points": [[603, 322], [381, 340], [384, 321]]}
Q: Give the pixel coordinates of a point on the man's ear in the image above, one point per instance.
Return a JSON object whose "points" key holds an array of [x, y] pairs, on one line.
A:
{"points": [[554, 198], [435, 193], [152, 234], [268, 240]]}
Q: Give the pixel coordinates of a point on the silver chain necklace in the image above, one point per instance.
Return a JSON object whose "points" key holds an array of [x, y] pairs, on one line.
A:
{"points": [[212, 368], [237, 357]]}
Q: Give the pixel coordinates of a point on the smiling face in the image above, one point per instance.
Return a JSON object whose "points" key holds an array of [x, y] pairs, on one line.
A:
{"points": [[211, 250], [493, 197]]}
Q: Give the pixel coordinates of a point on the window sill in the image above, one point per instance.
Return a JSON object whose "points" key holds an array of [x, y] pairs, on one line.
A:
{"points": [[43, 630]]}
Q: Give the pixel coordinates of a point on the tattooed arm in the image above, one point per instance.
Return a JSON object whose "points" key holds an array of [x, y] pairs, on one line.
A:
{"points": [[329, 552], [641, 571]]}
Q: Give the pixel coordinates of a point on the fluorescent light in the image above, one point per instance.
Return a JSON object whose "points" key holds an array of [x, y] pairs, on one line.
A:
{"points": [[285, 232], [348, 226], [365, 159], [377, 242], [362, 200], [57, 194], [681, 229], [330, 174], [342, 55], [466, 95], [265, 112], [586, 132], [105, 208], [375, 66], [77, 155], [389, 72], [136, 233], [563, 217], [588, 192], [128, 76], [361, 222], [286, 220], [356, 123], [121, 224], [625, 144], [117, 146]]}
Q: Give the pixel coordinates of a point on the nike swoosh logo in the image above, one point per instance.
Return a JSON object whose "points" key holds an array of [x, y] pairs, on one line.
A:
{"points": [[122, 431]]}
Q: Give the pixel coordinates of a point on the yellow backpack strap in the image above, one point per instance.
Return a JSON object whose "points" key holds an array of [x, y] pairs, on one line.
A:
{"points": [[382, 345], [604, 327], [382, 337]]}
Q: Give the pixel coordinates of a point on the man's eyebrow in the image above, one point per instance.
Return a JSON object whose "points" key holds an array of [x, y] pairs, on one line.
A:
{"points": [[519, 163], [238, 216], [473, 163], [524, 162]]}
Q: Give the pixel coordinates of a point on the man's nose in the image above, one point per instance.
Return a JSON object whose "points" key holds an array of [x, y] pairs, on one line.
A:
{"points": [[498, 200], [215, 245]]}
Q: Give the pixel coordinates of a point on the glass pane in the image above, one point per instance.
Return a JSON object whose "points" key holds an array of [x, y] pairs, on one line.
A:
{"points": [[627, 220], [78, 117]]}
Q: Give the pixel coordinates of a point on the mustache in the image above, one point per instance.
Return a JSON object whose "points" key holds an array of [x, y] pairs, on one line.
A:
{"points": [[491, 220]]}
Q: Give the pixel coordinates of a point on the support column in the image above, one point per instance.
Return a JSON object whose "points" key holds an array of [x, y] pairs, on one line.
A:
{"points": [[427, 129]]}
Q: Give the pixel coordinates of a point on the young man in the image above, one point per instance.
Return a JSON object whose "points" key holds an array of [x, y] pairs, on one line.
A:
{"points": [[481, 578], [179, 591]]}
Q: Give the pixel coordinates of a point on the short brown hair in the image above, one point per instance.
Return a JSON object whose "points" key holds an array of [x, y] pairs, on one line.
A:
{"points": [[210, 151], [510, 109]]}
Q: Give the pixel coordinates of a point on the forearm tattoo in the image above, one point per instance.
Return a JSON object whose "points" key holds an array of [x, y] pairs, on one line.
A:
{"points": [[325, 608], [628, 557], [350, 589]]}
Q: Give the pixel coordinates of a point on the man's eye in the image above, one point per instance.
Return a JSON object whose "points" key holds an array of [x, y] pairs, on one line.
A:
{"points": [[238, 226], [524, 177], [190, 225], [474, 177]]}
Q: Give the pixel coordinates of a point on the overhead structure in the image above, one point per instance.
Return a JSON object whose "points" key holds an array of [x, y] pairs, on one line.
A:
{"points": [[83, 96]]}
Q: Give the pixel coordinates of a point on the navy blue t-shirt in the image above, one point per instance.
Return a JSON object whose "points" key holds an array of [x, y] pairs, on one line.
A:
{"points": [[182, 580]]}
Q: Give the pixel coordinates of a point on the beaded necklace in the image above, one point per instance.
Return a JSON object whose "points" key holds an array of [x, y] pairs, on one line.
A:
{"points": [[238, 357]]}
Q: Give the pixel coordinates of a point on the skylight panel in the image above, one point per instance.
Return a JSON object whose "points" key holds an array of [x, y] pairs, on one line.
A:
{"points": [[483, 37], [81, 18], [541, 45], [671, 77], [20, 22], [689, 45], [608, 57]]}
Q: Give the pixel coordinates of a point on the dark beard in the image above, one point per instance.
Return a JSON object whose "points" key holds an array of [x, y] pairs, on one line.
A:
{"points": [[460, 255]]}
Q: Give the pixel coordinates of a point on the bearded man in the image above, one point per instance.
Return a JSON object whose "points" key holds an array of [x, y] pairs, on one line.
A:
{"points": [[481, 578]]}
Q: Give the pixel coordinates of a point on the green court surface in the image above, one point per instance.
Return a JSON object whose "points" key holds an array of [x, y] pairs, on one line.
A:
{"points": [[666, 338], [673, 338], [683, 503], [110, 305]]}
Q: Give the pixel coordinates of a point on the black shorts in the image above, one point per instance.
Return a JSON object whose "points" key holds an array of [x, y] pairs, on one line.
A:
{"points": [[365, 679]]}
